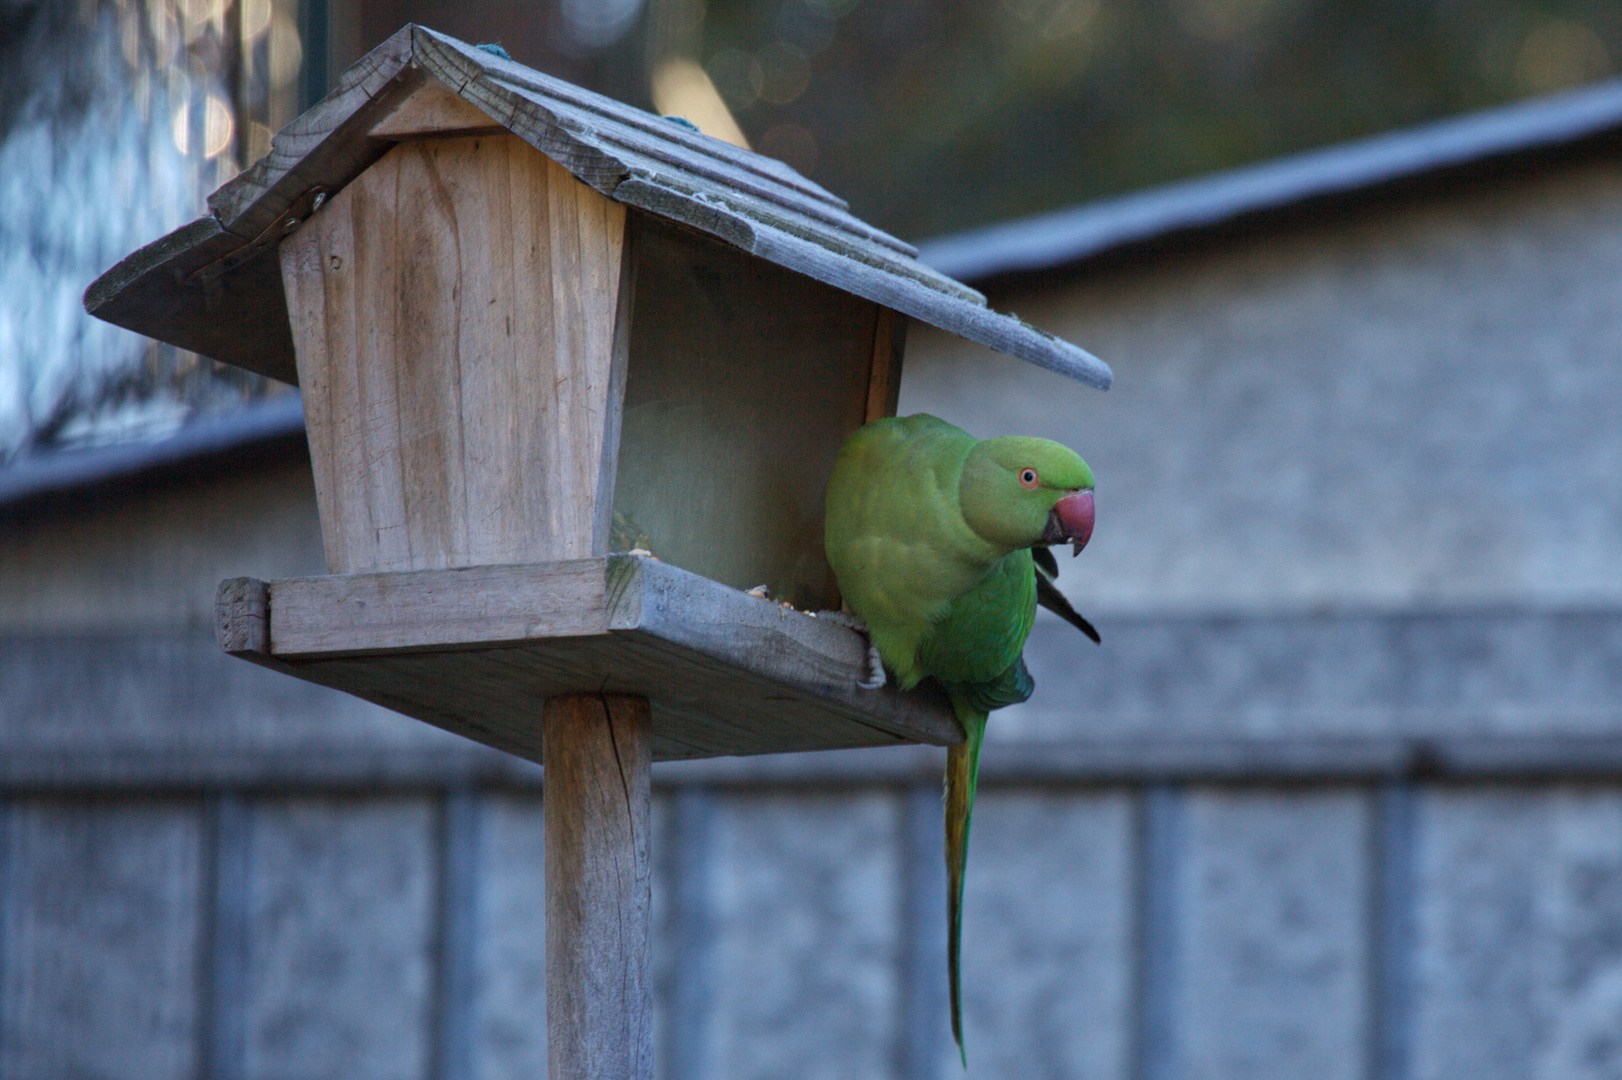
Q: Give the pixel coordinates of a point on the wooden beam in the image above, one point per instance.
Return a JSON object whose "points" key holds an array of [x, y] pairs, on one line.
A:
{"points": [[599, 1017], [884, 376]]}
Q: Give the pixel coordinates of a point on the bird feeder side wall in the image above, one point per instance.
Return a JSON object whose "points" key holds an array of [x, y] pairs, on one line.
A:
{"points": [[456, 312], [744, 380]]}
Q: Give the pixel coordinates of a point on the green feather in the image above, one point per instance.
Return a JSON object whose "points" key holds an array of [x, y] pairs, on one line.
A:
{"points": [[962, 776]]}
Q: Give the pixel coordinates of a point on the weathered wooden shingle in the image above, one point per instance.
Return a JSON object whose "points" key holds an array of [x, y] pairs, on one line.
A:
{"points": [[212, 286]]}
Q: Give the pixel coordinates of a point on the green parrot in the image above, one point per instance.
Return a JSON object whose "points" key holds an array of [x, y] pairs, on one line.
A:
{"points": [[930, 533]]}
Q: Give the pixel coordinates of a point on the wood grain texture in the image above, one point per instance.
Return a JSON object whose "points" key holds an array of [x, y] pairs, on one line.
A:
{"points": [[433, 109], [599, 1013], [744, 379], [916, 295], [242, 622], [884, 377], [597, 136], [473, 650], [240, 319], [478, 605], [327, 142], [242, 614], [455, 309]]}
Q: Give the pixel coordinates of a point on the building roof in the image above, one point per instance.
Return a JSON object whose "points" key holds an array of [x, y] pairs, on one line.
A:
{"points": [[1566, 122], [214, 286], [224, 440]]}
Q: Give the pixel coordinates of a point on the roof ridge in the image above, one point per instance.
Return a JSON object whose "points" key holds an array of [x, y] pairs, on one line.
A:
{"points": [[1078, 232]]}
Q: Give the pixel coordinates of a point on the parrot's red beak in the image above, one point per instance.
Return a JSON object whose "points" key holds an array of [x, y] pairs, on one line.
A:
{"points": [[1072, 520]]}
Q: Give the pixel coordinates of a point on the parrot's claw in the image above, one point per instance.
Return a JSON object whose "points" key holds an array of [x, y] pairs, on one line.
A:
{"points": [[875, 669], [875, 663]]}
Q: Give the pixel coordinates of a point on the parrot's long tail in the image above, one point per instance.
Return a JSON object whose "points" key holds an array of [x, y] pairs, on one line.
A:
{"points": [[962, 772]]}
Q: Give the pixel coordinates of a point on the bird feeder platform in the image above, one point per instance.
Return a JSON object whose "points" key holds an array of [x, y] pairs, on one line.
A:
{"points": [[476, 650]]}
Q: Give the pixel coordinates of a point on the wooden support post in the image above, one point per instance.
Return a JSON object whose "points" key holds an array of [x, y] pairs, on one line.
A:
{"points": [[597, 751]]}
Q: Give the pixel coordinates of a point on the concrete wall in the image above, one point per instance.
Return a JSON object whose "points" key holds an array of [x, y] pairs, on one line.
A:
{"points": [[1416, 407], [1337, 797]]}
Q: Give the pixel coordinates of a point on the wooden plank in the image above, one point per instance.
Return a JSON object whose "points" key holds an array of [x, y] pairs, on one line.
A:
{"points": [[896, 286], [433, 109], [757, 204], [103, 923], [456, 310], [242, 606], [575, 125], [327, 145], [613, 419], [599, 1013], [240, 318], [472, 650], [476, 605], [884, 377], [702, 706]]}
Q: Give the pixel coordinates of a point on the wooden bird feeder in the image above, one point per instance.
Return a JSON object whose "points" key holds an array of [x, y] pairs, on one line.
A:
{"points": [[536, 329]]}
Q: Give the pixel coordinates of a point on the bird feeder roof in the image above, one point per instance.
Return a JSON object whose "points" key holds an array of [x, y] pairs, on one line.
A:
{"points": [[215, 287]]}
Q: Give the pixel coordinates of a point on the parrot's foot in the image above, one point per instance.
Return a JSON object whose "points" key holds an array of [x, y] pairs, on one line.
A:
{"points": [[875, 669], [875, 663]]}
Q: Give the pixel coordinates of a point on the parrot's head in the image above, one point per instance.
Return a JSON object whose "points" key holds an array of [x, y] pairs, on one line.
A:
{"points": [[1019, 492]]}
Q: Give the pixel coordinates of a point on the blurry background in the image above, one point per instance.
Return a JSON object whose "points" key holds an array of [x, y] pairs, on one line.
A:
{"points": [[1338, 797], [929, 116]]}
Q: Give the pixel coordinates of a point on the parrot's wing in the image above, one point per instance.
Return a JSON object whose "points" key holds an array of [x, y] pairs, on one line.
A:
{"points": [[1049, 596], [1011, 688]]}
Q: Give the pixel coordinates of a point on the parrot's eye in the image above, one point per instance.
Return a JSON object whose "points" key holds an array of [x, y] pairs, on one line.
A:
{"points": [[1028, 478]]}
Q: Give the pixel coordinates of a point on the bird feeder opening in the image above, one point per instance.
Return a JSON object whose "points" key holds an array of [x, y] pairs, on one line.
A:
{"points": [[744, 378]]}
